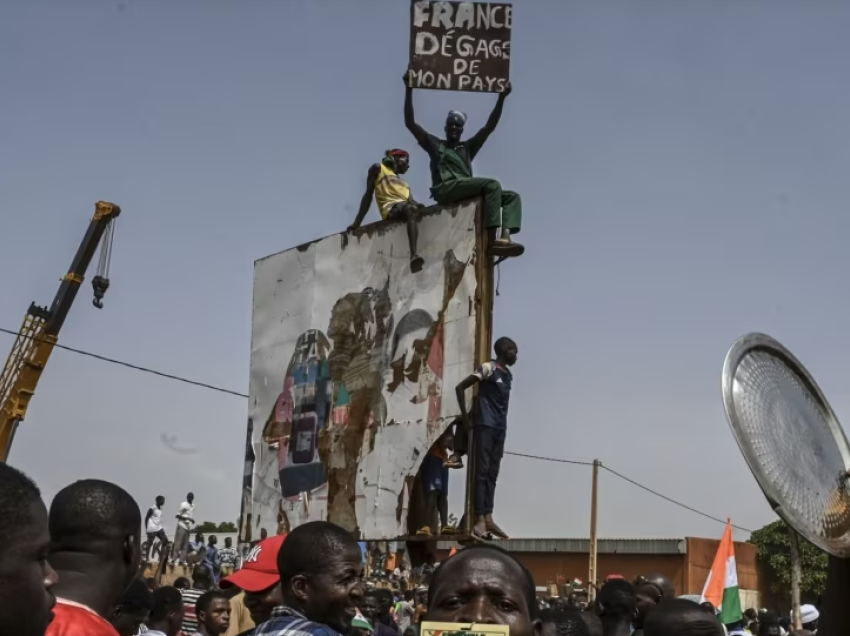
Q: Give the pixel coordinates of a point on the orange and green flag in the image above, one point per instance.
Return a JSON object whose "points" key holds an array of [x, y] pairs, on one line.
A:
{"points": [[721, 587]]}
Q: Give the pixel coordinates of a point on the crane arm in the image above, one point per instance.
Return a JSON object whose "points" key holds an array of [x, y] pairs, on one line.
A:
{"points": [[40, 330]]}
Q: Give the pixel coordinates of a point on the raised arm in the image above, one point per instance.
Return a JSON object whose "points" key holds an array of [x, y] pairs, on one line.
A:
{"points": [[366, 200], [477, 140], [409, 119]]}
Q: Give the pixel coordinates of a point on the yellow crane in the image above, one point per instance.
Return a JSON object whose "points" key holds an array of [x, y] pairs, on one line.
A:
{"points": [[40, 332]]}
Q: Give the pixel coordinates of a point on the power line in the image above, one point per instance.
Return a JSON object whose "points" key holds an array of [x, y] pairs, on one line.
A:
{"points": [[204, 385], [129, 365]]}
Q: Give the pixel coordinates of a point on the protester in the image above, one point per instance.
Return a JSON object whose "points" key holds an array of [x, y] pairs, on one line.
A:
{"points": [[663, 583], [27, 580], [213, 613], [211, 557], [370, 607], [227, 558], [404, 611], [647, 595], [681, 617], [562, 622], [809, 616], [95, 532], [201, 582], [385, 606], [494, 381], [259, 580], [617, 607], [167, 614], [153, 526], [133, 610], [360, 626], [593, 622], [185, 521], [451, 172], [484, 584], [321, 574]]}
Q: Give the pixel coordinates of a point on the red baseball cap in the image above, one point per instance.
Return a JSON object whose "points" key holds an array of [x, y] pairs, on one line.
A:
{"points": [[259, 569]]}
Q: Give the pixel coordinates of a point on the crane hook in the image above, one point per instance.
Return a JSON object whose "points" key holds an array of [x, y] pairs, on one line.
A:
{"points": [[100, 285]]}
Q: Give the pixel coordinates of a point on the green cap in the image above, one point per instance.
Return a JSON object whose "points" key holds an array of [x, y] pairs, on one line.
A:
{"points": [[360, 622]]}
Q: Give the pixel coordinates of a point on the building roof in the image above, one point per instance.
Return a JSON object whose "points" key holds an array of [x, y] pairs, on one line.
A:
{"points": [[604, 546]]}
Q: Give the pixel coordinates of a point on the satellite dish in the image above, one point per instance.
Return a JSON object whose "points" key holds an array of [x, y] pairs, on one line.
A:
{"points": [[791, 440]]}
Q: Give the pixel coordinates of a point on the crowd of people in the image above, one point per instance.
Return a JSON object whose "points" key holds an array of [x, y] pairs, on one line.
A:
{"points": [[77, 570]]}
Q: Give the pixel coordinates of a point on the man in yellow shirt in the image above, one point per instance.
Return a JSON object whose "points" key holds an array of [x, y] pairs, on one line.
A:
{"points": [[392, 195]]}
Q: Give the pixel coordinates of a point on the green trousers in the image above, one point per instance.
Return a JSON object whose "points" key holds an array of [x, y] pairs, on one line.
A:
{"points": [[502, 208]]}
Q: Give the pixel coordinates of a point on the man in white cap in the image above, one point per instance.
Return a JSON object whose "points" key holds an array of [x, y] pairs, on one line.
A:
{"points": [[451, 172], [809, 616]]}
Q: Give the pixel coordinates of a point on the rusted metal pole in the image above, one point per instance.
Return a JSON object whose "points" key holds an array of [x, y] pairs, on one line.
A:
{"points": [[594, 493], [796, 576]]}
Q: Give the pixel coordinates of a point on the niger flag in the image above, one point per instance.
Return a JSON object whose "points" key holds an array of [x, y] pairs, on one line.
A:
{"points": [[721, 587]]}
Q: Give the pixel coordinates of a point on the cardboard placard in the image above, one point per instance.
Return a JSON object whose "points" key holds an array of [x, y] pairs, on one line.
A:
{"points": [[463, 629], [460, 46]]}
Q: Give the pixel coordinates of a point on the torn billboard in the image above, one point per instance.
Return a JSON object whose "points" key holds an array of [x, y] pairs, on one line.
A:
{"points": [[354, 360]]}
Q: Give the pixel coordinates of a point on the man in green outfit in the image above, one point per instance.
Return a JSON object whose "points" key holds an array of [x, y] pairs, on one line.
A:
{"points": [[451, 172]]}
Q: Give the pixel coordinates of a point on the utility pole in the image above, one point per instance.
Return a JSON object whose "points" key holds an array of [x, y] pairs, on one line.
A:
{"points": [[796, 575], [594, 492]]}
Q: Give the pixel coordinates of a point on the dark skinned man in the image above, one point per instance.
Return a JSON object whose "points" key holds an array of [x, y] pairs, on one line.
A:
{"points": [[494, 389], [321, 581], [153, 526], [26, 578], [259, 580], [393, 198], [167, 614], [484, 584], [95, 547], [370, 607], [648, 595], [617, 607], [133, 610], [213, 612], [681, 617], [451, 172]]}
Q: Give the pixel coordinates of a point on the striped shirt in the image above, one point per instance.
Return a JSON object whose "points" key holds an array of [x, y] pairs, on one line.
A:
{"points": [[190, 619], [285, 621]]}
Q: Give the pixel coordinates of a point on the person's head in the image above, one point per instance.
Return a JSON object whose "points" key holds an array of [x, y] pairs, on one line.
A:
{"points": [[95, 529], [202, 578], [751, 614], [593, 622], [228, 542], [484, 584], [769, 625], [361, 626], [397, 160], [182, 583], [370, 606], [26, 578], [213, 611], [264, 534], [447, 440], [709, 606], [160, 501], [616, 601], [199, 537], [681, 617], [810, 616], [562, 622], [410, 630], [259, 578], [409, 596], [455, 121], [662, 582], [167, 613], [321, 573], [385, 602], [648, 595], [506, 351], [133, 609], [213, 540], [190, 498]]}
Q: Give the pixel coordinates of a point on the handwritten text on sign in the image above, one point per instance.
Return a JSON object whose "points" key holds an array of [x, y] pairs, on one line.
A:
{"points": [[461, 46]]}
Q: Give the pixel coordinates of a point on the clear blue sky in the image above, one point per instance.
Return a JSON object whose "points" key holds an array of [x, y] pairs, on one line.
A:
{"points": [[683, 168]]}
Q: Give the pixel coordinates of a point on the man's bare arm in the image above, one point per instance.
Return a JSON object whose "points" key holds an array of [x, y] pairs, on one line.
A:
{"points": [[409, 118], [366, 200], [460, 391]]}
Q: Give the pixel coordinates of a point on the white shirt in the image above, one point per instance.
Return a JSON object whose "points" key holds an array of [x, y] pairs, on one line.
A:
{"points": [[155, 520], [186, 510]]}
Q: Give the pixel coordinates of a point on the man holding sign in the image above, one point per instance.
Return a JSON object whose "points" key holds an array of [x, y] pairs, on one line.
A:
{"points": [[451, 171]]}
